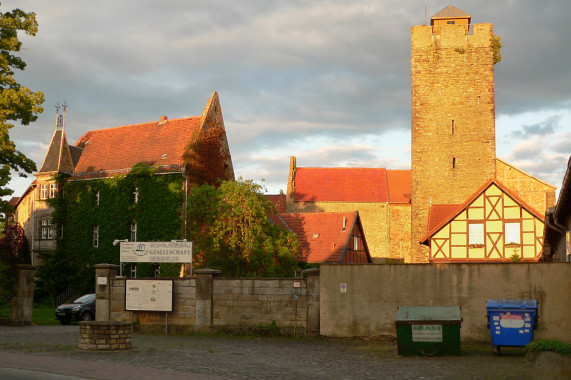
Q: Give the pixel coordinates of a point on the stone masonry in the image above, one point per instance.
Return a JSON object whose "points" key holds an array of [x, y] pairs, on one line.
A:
{"points": [[105, 335], [453, 119]]}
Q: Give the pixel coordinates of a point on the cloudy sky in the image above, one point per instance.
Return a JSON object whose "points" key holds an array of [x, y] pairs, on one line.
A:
{"points": [[327, 81]]}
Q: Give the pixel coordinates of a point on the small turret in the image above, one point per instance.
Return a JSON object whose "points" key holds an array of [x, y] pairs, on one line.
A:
{"points": [[450, 16]]}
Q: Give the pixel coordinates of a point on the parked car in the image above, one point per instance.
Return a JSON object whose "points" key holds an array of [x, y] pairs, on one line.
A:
{"points": [[82, 309]]}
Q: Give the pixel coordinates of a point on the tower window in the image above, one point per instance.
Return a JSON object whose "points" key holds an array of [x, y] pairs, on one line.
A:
{"points": [[451, 22], [452, 130], [454, 163]]}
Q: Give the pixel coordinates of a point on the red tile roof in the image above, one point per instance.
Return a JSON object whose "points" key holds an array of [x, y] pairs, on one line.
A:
{"points": [[154, 144], [400, 185], [278, 200], [341, 185], [439, 213], [321, 236]]}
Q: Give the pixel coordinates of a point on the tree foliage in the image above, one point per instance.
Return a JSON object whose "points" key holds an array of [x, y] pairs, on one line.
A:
{"points": [[17, 103], [14, 249], [497, 49], [232, 231], [205, 159], [110, 204]]}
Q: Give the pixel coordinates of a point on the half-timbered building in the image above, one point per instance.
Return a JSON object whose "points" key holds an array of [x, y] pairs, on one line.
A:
{"points": [[494, 224]]}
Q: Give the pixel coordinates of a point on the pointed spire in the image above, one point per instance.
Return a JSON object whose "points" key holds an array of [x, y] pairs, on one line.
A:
{"points": [[58, 157]]}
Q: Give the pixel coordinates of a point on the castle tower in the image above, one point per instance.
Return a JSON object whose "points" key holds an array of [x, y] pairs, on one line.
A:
{"points": [[453, 115]]}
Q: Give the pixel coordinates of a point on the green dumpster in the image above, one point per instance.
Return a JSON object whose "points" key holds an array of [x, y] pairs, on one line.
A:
{"points": [[428, 330]]}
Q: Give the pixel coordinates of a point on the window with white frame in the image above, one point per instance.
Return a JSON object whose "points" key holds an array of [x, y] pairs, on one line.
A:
{"points": [[60, 229], [136, 195], [44, 191], [476, 235], [134, 231], [53, 190], [512, 233], [97, 198], [47, 228], [355, 243], [96, 236]]}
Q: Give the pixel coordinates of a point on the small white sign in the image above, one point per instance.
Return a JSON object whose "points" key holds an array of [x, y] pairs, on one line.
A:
{"points": [[101, 280], [343, 288], [148, 295], [297, 284], [427, 333]]}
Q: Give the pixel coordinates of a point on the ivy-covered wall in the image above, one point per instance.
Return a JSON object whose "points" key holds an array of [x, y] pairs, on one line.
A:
{"points": [[110, 204]]}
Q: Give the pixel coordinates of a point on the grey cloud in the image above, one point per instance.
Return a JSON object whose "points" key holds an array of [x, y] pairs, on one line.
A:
{"points": [[546, 127]]}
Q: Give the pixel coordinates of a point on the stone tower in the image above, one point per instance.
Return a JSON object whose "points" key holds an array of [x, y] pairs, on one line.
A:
{"points": [[453, 115]]}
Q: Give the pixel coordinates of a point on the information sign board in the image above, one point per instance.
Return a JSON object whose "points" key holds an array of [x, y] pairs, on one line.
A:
{"points": [[156, 252], [148, 295]]}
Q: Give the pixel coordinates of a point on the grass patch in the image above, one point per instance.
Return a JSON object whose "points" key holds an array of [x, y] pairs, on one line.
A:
{"points": [[549, 345], [44, 315]]}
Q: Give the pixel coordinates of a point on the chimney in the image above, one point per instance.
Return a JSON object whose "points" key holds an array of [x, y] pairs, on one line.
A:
{"points": [[164, 118]]}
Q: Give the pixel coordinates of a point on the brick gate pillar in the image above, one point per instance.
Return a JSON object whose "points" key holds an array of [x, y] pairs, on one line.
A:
{"points": [[312, 285], [103, 275], [22, 304], [203, 317]]}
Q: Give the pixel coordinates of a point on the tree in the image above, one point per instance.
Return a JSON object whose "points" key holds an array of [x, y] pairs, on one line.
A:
{"points": [[497, 49], [17, 103], [14, 249], [232, 231], [205, 160]]}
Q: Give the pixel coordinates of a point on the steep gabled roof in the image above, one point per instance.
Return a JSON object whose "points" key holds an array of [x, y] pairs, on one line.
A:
{"points": [[58, 157], [322, 237], [341, 185], [453, 211], [451, 12], [155, 143]]}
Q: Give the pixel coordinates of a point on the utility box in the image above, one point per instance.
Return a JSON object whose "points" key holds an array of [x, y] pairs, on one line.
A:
{"points": [[511, 322], [428, 330]]}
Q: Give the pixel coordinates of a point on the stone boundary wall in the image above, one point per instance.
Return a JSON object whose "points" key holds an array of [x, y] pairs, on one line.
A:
{"points": [[373, 292], [105, 335], [259, 304], [209, 303]]}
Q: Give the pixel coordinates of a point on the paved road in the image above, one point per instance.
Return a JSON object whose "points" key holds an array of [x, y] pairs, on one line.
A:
{"points": [[53, 349]]}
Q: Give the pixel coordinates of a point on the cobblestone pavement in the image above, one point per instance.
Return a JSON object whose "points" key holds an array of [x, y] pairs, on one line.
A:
{"points": [[54, 349]]}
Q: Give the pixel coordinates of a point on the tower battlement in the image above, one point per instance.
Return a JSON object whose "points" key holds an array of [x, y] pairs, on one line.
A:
{"points": [[452, 36]]}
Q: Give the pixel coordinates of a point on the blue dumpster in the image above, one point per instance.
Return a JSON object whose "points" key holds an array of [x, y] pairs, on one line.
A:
{"points": [[511, 322]]}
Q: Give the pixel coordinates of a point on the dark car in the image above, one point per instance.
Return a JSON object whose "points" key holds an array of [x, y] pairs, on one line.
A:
{"points": [[82, 309]]}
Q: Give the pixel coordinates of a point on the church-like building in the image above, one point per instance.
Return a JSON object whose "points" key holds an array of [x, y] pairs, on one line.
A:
{"points": [[453, 161]]}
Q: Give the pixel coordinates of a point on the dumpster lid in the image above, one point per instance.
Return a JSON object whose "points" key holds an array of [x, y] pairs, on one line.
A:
{"points": [[432, 314], [511, 304]]}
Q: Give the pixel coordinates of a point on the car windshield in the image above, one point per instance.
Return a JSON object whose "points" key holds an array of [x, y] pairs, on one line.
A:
{"points": [[85, 298]]}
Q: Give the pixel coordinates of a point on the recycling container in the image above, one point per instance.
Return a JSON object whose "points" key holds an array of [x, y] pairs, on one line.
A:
{"points": [[511, 322], [428, 330]]}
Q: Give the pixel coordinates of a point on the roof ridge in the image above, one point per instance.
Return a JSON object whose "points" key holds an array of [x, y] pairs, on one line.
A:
{"points": [[139, 124]]}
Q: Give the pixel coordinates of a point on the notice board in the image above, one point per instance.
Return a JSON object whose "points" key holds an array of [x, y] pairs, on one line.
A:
{"points": [[148, 295]]}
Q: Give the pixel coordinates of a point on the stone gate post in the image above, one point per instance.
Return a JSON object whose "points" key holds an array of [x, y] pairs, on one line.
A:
{"points": [[103, 275], [203, 318], [22, 304]]}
